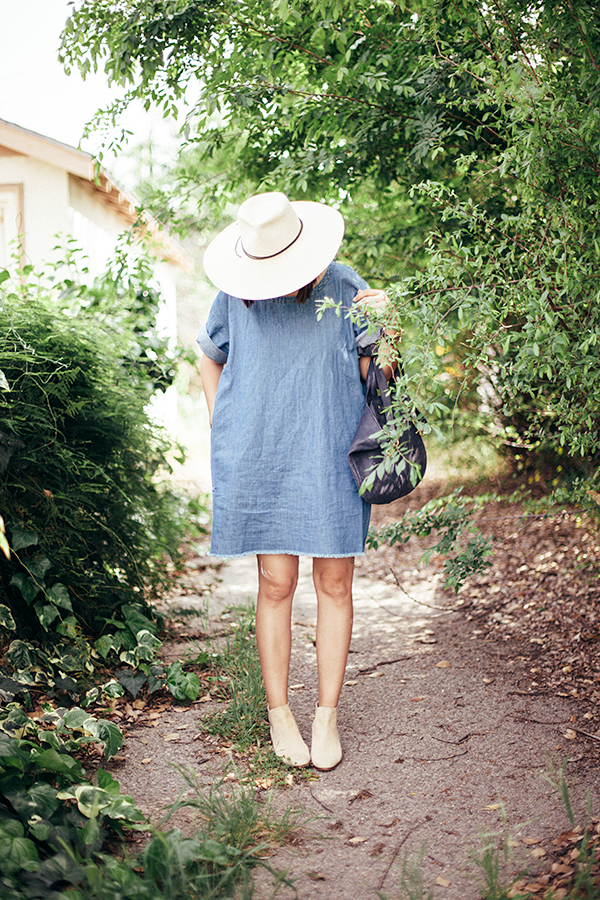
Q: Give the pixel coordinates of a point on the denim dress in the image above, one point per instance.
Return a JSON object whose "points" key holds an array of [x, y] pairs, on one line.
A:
{"points": [[287, 406]]}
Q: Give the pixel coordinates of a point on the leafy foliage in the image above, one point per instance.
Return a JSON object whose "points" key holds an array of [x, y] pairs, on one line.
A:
{"points": [[461, 142], [89, 521], [450, 518]]}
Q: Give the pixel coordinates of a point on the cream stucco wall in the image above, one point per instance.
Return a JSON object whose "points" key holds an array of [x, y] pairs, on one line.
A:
{"points": [[45, 203]]}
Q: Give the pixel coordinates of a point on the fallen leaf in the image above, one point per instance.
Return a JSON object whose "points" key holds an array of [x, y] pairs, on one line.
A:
{"points": [[443, 664], [143, 740], [182, 727], [296, 687], [316, 876], [170, 737], [350, 683], [377, 849], [365, 794], [206, 699], [443, 882], [416, 699], [493, 806], [374, 674], [390, 824], [561, 869], [488, 680], [139, 704], [538, 852], [265, 783], [357, 840], [147, 761], [570, 735], [531, 840], [534, 887]]}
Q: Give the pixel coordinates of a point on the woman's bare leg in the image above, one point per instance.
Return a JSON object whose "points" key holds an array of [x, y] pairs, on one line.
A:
{"points": [[277, 580], [333, 584]]}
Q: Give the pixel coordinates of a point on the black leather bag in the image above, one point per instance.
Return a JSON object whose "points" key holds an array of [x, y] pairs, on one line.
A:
{"points": [[366, 455]]}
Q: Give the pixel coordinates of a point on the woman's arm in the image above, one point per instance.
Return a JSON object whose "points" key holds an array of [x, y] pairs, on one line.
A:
{"points": [[210, 373]]}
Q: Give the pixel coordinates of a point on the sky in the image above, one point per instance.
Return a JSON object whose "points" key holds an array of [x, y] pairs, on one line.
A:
{"points": [[35, 92]]}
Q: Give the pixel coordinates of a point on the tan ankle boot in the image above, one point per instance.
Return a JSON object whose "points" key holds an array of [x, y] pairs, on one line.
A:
{"points": [[326, 750], [286, 738]]}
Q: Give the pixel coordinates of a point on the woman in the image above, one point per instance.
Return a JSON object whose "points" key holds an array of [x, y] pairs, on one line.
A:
{"points": [[283, 386]]}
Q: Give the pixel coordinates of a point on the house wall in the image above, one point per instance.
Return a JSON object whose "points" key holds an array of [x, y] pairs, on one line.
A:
{"points": [[94, 225], [45, 205]]}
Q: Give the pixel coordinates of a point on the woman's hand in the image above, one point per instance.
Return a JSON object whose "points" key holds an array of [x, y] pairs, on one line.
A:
{"points": [[371, 299]]}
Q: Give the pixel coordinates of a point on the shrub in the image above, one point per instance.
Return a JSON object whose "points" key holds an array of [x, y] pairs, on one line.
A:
{"points": [[89, 518]]}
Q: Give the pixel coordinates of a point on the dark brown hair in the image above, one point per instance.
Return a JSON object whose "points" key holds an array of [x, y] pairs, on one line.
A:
{"points": [[301, 297]]}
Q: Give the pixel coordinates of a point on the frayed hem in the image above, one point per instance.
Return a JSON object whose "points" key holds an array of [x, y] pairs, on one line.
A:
{"points": [[286, 553]]}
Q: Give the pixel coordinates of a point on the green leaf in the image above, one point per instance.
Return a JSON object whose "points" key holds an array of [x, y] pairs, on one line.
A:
{"points": [[28, 587], [124, 808], [183, 685], [113, 689], [156, 679], [6, 619], [104, 645], [136, 620], [131, 681], [4, 275], [21, 538], [148, 645], [90, 799], [46, 614], [112, 737], [20, 655], [11, 753], [74, 719], [107, 782], [59, 595], [39, 800], [60, 763], [18, 854], [38, 567]]}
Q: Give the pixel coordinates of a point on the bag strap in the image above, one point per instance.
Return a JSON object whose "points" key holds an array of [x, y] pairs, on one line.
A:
{"points": [[378, 387]]}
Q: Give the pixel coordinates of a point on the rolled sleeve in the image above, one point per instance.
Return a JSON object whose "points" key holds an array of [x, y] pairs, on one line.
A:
{"points": [[210, 349], [213, 339]]}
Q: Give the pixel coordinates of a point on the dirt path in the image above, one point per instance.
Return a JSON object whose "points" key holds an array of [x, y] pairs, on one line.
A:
{"points": [[436, 728]]}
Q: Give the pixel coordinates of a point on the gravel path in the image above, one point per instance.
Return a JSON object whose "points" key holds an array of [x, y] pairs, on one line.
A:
{"points": [[438, 739]]}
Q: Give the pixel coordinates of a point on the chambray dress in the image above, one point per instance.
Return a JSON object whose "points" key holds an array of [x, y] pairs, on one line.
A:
{"points": [[287, 406]]}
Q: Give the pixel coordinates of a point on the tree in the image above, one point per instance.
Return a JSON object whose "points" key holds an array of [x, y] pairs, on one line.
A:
{"points": [[462, 143]]}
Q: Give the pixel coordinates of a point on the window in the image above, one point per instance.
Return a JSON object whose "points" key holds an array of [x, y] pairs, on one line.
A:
{"points": [[11, 221]]}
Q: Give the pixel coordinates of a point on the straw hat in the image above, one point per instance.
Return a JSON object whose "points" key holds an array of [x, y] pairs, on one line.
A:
{"points": [[274, 248]]}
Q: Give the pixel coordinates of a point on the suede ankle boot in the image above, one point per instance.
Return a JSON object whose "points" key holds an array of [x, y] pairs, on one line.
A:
{"points": [[286, 738], [326, 750]]}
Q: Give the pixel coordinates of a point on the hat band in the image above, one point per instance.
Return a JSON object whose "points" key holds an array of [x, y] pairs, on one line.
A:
{"points": [[271, 255]]}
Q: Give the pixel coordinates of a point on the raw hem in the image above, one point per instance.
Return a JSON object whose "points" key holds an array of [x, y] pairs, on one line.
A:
{"points": [[286, 553]]}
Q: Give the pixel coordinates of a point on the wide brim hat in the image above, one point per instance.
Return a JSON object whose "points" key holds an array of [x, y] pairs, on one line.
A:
{"points": [[275, 247]]}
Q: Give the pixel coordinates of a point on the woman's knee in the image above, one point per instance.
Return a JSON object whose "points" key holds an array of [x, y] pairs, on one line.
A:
{"points": [[276, 582], [334, 581]]}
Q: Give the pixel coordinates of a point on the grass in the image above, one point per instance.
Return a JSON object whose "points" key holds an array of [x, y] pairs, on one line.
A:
{"points": [[572, 871], [237, 679]]}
